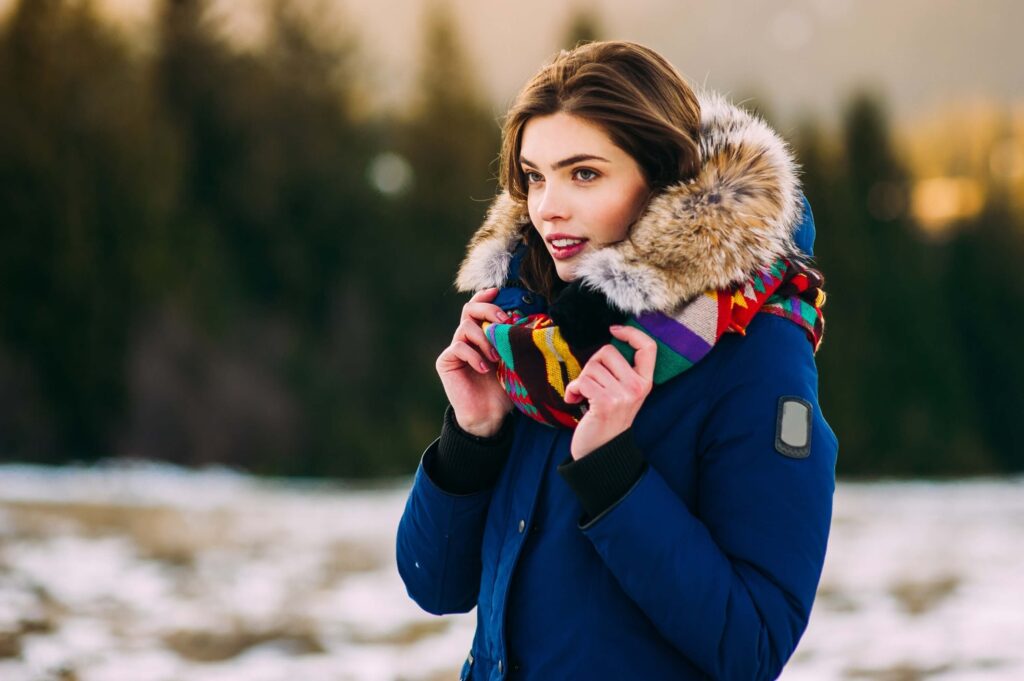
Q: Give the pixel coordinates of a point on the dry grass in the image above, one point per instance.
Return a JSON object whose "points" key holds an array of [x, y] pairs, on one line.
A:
{"points": [[178, 537], [345, 558], [43, 620], [169, 535], [835, 599], [406, 635], [919, 596], [164, 534], [217, 646], [445, 675], [900, 672]]}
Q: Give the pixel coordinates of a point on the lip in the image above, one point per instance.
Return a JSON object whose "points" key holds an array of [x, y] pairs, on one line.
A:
{"points": [[560, 235], [564, 253]]}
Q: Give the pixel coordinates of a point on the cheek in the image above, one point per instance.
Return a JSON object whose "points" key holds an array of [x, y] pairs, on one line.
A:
{"points": [[616, 211]]}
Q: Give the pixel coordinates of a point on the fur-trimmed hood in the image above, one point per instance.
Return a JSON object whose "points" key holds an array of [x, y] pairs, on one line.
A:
{"points": [[737, 215]]}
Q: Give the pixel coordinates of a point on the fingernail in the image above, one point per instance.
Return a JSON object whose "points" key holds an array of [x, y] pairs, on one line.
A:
{"points": [[494, 354], [502, 316], [615, 327], [483, 367]]}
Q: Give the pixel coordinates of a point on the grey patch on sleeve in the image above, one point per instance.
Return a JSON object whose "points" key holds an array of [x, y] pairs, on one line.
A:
{"points": [[793, 427]]}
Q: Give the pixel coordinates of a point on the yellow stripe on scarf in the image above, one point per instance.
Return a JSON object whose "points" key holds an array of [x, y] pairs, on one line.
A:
{"points": [[556, 351]]}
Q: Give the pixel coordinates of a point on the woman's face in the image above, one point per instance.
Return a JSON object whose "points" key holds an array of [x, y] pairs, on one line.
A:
{"points": [[583, 191]]}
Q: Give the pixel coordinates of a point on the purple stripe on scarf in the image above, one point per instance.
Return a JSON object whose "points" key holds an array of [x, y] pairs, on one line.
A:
{"points": [[675, 335]]}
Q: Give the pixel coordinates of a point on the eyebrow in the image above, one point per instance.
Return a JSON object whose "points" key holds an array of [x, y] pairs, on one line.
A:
{"points": [[565, 161]]}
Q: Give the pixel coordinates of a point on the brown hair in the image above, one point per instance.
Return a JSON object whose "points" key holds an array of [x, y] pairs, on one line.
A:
{"points": [[634, 94]]}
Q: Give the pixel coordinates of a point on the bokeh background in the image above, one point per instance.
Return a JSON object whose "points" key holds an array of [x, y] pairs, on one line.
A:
{"points": [[228, 234]]}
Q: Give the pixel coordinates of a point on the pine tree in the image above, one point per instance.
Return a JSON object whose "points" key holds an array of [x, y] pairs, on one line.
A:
{"points": [[584, 27], [450, 138], [86, 181], [984, 295], [913, 388]]}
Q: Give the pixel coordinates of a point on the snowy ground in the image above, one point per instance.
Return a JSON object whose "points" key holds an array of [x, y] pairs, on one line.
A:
{"points": [[142, 572]]}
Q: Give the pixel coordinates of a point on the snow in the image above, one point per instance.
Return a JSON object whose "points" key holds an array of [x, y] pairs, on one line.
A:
{"points": [[132, 571], [920, 576]]}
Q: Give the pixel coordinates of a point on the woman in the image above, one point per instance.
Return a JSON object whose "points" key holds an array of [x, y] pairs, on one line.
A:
{"points": [[634, 481]]}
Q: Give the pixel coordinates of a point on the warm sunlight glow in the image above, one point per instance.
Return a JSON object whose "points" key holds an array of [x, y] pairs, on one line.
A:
{"points": [[938, 202]]}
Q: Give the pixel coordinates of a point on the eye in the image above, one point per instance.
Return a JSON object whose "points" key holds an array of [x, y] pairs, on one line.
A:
{"points": [[591, 175], [529, 174]]}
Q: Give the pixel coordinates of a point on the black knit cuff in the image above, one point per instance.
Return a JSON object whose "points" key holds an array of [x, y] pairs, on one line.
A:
{"points": [[468, 463], [605, 475]]}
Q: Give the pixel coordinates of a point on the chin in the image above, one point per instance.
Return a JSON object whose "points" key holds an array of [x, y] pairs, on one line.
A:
{"points": [[567, 277]]}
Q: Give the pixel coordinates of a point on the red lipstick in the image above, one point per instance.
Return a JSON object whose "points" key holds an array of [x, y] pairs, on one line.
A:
{"points": [[565, 251]]}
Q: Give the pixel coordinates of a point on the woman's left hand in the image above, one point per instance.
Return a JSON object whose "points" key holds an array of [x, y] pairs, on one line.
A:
{"points": [[614, 389]]}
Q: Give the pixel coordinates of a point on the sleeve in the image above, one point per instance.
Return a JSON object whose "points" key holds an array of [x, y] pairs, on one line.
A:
{"points": [[467, 463], [438, 543], [603, 476], [732, 582]]}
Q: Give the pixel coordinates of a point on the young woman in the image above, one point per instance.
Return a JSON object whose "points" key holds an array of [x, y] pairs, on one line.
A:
{"points": [[633, 479]]}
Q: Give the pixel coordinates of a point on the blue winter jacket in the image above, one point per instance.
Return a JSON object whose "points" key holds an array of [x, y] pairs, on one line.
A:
{"points": [[704, 567]]}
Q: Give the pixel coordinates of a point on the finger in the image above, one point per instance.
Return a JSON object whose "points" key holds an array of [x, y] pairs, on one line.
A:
{"points": [[645, 346], [484, 294], [469, 355], [599, 373], [617, 365], [480, 308], [572, 391], [471, 333], [479, 312], [581, 388]]}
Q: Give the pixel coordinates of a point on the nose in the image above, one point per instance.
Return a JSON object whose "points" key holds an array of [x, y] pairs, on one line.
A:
{"points": [[554, 204]]}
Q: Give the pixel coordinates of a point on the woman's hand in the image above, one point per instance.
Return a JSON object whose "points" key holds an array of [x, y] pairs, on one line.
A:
{"points": [[466, 368], [614, 389]]}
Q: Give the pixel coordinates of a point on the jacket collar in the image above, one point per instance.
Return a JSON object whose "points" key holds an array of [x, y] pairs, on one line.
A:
{"points": [[738, 215]]}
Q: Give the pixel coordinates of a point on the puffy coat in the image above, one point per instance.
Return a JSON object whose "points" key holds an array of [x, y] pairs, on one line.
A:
{"points": [[689, 547]]}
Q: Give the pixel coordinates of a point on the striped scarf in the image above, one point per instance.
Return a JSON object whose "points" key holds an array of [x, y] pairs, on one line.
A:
{"points": [[535, 363]]}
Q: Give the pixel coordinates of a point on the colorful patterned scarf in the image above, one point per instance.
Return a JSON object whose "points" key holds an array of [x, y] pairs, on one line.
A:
{"points": [[536, 363]]}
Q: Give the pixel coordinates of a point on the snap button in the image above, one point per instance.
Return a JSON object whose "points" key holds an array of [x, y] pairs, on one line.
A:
{"points": [[528, 299], [470, 658], [499, 666], [522, 526]]}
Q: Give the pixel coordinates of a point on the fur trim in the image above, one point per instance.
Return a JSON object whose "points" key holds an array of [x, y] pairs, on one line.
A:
{"points": [[737, 215], [490, 250]]}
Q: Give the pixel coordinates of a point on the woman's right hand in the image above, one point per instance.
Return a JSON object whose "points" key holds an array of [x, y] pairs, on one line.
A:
{"points": [[466, 368]]}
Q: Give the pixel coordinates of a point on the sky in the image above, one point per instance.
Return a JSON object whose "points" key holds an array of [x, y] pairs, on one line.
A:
{"points": [[797, 56]]}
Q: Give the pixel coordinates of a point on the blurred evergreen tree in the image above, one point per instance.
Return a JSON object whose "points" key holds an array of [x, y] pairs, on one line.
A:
{"points": [[277, 230], [450, 138], [275, 193], [985, 303], [584, 26], [207, 255], [842, 353], [892, 364], [87, 178]]}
